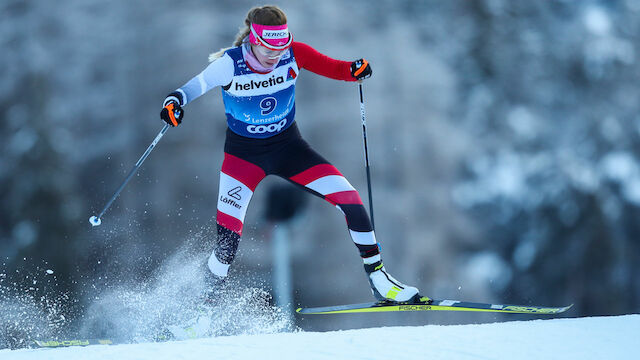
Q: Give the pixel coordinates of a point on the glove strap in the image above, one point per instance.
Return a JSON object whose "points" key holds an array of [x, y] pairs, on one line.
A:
{"points": [[178, 96]]}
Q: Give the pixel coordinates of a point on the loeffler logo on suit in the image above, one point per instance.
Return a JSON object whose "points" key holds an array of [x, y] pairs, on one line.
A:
{"points": [[235, 194]]}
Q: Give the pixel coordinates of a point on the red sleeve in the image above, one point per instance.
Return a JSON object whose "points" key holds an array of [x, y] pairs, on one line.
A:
{"points": [[310, 59]]}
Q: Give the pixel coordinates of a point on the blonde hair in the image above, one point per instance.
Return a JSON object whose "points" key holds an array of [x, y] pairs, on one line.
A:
{"points": [[263, 15]]}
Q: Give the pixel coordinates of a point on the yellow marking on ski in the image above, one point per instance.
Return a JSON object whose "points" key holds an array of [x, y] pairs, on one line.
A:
{"points": [[419, 307], [54, 343], [66, 343]]}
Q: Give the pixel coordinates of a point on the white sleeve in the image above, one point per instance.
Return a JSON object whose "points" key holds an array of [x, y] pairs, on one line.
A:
{"points": [[218, 73]]}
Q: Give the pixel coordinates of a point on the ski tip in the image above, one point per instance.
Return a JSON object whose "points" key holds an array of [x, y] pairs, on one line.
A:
{"points": [[298, 309], [561, 309]]}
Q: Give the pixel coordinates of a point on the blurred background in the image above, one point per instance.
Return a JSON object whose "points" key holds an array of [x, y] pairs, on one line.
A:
{"points": [[503, 137]]}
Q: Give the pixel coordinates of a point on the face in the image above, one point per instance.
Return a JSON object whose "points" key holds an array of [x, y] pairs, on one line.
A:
{"points": [[266, 57]]}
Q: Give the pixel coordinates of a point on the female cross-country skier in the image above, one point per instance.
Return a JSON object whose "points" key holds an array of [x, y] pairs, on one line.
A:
{"points": [[258, 80]]}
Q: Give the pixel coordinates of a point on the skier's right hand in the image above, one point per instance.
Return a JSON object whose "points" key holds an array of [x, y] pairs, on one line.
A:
{"points": [[172, 112]]}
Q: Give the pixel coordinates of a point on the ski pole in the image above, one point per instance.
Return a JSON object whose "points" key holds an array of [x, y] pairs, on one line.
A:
{"points": [[95, 220], [366, 154]]}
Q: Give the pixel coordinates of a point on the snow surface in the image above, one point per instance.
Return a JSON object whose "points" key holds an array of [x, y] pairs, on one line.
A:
{"points": [[599, 338]]}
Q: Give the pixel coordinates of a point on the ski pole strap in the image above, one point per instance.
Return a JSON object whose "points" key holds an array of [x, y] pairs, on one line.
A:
{"points": [[369, 268]]}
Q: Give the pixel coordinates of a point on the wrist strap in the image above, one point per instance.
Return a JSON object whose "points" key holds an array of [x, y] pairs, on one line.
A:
{"points": [[174, 96]]}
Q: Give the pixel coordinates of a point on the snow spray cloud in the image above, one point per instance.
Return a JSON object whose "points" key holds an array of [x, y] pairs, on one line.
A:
{"points": [[32, 311], [170, 305]]}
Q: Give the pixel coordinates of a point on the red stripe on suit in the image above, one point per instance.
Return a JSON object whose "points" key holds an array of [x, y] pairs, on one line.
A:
{"points": [[243, 171], [344, 198], [314, 173]]}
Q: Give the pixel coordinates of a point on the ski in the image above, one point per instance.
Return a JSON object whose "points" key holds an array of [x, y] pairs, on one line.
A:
{"points": [[69, 343], [425, 304]]}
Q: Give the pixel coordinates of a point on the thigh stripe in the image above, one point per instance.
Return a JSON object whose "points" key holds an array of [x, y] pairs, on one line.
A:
{"points": [[314, 173], [242, 170]]}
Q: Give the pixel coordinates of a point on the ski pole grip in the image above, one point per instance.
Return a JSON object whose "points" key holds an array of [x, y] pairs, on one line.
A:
{"points": [[172, 116], [361, 68]]}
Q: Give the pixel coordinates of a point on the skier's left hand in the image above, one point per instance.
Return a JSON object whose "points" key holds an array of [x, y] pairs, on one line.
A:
{"points": [[360, 69]]}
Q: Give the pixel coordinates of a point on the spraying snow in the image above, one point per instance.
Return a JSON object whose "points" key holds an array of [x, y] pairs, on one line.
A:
{"points": [[160, 308]]}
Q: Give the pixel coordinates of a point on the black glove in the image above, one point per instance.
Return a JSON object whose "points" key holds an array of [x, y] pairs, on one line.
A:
{"points": [[172, 112], [360, 69]]}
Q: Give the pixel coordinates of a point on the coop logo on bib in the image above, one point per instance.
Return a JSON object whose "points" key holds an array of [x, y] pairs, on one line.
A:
{"points": [[261, 129]]}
